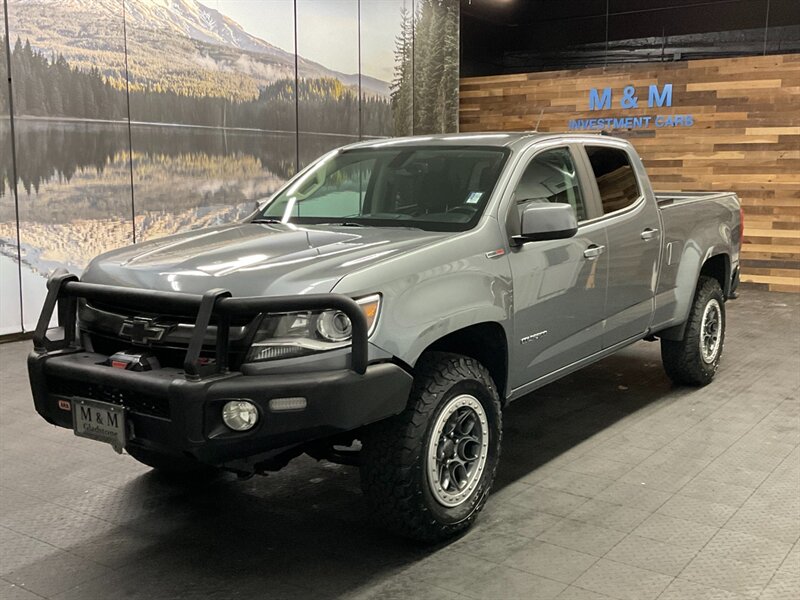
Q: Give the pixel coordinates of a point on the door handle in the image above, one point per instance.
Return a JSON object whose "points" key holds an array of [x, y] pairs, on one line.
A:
{"points": [[594, 251], [649, 234]]}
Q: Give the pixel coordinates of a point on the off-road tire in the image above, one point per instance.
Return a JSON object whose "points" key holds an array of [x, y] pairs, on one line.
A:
{"points": [[683, 359], [395, 451], [172, 465]]}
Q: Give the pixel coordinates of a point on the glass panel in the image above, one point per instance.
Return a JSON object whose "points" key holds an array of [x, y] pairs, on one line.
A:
{"points": [[669, 30], [436, 66], [212, 110], [386, 67], [10, 316], [327, 45], [67, 66], [567, 35], [550, 177], [616, 180]]}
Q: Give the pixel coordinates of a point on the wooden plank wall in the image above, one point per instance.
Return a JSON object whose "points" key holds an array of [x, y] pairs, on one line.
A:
{"points": [[745, 137]]}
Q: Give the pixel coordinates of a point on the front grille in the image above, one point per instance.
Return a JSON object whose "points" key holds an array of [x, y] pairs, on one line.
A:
{"points": [[127, 310], [135, 401], [168, 356]]}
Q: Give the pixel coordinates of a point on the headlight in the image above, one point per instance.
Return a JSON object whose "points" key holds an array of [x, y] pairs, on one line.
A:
{"points": [[297, 334]]}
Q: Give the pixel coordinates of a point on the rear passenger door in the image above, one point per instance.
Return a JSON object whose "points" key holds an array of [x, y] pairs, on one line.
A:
{"points": [[634, 241]]}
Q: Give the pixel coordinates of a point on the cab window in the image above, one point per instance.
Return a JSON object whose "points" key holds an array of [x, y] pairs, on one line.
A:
{"points": [[550, 177], [616, 180]]}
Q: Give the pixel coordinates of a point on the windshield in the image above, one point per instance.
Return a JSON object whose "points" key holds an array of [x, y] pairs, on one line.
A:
{"points": [[436, 189]]}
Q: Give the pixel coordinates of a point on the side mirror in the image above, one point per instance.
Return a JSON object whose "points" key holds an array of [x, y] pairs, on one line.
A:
{"points": [[547, 221]]}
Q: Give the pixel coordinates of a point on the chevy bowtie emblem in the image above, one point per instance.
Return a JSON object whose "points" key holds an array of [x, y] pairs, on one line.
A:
{"points": [[143, 331]]}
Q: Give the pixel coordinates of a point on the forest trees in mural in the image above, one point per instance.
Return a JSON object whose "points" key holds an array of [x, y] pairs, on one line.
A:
{"points": [[4, 108], [424, 91], [54, 88]]}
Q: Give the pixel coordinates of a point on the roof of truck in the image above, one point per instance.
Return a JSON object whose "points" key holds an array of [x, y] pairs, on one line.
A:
{"points": [[485, 138]]}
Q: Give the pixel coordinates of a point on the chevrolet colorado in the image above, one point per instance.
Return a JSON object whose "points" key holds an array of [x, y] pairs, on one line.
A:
{"points": [[382, 308]]}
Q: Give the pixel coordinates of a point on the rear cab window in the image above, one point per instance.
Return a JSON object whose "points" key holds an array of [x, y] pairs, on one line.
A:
{"points": [[616, 180]]}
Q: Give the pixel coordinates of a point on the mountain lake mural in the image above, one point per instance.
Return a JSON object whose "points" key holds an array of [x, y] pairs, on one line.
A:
{"points": [[140, 118]]}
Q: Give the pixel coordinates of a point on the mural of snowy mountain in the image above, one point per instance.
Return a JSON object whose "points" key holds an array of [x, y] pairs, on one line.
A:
{"points": [[194, 109], [177, 45]]}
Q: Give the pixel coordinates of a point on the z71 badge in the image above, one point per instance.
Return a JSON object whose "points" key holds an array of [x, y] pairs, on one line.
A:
{"points": [[533, 337]]}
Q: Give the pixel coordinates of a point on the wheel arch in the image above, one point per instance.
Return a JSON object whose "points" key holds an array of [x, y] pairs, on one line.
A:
{"points": [[486, 342], [717, 266]]}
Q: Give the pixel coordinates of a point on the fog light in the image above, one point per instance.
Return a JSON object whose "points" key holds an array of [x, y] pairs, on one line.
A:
{"points": [[239, 415]]}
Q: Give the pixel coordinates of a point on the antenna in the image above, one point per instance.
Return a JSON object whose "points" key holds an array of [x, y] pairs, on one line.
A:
{"points": [[536, 129]]}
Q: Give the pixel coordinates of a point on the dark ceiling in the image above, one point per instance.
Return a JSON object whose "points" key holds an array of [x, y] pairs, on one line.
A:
{"points": [[505, 36]]}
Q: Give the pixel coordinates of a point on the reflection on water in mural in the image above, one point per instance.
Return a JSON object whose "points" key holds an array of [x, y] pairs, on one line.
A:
{"points": [[75, 199]]}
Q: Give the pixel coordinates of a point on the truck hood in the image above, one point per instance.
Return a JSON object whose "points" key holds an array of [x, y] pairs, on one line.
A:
{"points": [[254, 259]]}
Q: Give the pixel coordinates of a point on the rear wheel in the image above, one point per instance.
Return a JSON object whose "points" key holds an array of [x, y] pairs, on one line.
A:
{"points": [[694, 359], [427, 472]]}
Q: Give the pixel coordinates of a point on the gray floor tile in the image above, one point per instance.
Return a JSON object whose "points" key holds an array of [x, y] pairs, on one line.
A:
{"points": [[11, 591], [784, 585], [653, 555], [490, 544], [679, 532], [748, 548], [792, 560], [548, 501], [576, 593], [553, 562], [18, 550], [634, 495], [582, 537], [610, 516], [716, 491], [623, 581], [55, 573], [401, 588], [682, 589], [534, 524], [715, 569], [598, 467], [575, 483], [449, 569], [506, 583], [785, 528], [694, 509], [656, 478]]}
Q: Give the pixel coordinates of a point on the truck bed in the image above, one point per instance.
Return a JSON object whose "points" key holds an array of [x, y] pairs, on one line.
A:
{"points": [[667, 199]]}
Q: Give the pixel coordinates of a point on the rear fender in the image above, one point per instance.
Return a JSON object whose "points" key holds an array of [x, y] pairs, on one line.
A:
{"points": [[692, 265]]}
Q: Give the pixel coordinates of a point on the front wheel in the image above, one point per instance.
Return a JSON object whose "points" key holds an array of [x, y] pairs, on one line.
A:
{"points": [[694, 359], [427, 472]]}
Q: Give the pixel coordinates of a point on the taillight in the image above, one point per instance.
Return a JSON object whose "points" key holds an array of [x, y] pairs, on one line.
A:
{"points": [[741, 226]]}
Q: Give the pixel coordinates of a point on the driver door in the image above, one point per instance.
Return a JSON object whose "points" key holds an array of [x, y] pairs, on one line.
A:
{"points": [[559, 285]]}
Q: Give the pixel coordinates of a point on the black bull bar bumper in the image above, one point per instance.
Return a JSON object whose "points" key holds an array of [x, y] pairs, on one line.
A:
{"points": [[179, 411]]}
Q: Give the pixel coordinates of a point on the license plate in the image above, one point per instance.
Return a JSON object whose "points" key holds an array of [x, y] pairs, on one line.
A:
{"points": [[99, 421]]}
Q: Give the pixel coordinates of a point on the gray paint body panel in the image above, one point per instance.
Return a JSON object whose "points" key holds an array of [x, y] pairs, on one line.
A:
{"points": [[433, 284]]}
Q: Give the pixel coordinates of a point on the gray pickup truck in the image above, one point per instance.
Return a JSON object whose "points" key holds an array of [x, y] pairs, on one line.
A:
{"points": [[382, 308]]}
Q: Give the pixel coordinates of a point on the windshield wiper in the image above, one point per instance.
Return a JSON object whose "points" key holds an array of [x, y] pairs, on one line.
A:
{"points": [[345, 224], [267, 220]]}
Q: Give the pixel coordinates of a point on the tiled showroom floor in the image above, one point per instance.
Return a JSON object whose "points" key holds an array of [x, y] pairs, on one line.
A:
{"points": [[613, 484]]}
